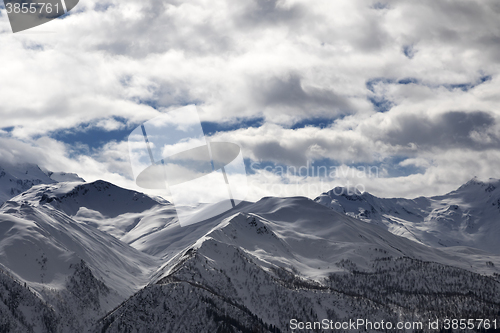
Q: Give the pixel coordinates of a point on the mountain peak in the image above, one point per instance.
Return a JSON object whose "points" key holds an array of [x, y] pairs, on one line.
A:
{"points": [[17, 178], [467, 216], [64, 177], [489, 185], [106, 198], [346, 191]]}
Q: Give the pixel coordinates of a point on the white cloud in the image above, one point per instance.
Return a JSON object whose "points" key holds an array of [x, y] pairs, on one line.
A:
{"points": [[280, 60]]}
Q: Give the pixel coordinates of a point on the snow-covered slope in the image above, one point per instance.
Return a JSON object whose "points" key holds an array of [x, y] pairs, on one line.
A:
{"points": [[65, 177], [15, 179], [43, 222], [105, 198], [80, 271], [468, 216], [284, 258], [77, 251], [319, 236]]}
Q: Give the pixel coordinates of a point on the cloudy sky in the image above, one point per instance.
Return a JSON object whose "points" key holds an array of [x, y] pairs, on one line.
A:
{"points": [[406, 88]]}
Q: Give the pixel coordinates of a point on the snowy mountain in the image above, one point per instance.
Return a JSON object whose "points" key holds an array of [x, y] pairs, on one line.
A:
{"points": [[468, 216], [99, 196], [78, 257], [15, 179], [284, 258], [80, 271], [64, 177]]}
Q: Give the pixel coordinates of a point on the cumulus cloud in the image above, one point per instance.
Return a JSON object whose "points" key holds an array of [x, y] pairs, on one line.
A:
{"points": [[414, 83]]}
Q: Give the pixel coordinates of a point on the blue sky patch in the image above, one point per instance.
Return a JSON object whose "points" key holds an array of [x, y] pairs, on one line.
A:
{"points": [[210, 127], [318, 122], [329, 169], [7, 129], [468, 86], [409, 51], [93, 136]]}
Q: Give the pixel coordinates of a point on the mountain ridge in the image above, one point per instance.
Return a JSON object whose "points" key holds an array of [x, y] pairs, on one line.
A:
{"points": [[467, 216], [252, 268], [18, 178], [98, 196]]}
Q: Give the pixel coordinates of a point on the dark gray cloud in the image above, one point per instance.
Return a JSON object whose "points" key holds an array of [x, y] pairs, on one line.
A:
{"points": [[454, 129], [256, 13], [274, 151], [461, 24], [289, 93]]}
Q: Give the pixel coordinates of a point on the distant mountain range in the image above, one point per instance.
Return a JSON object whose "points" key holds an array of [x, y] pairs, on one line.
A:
{"points": [[79, 257], [468, 216]]}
